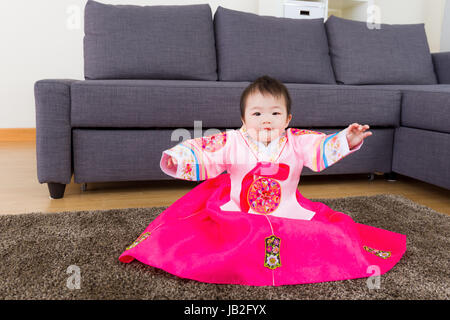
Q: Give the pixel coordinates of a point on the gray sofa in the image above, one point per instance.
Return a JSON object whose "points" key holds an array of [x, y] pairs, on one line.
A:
{"points": [[152, 69]]}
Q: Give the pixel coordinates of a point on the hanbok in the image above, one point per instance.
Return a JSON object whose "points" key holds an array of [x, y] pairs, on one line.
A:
{"points": [[251, 225]]}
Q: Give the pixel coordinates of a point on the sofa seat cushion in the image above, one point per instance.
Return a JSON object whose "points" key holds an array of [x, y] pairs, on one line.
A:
{"points": [[392, 54], [149, 42], [441, 61], [424, 107], [423, 155], [291, 50], [172, 103]]}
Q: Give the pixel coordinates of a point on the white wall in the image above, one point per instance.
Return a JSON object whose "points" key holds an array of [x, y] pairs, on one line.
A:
{"points": [[445, 35], [36, 44], [43, 39]]}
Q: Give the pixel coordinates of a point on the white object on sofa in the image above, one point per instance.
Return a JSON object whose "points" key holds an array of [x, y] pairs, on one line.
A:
{"points": [[305, 9]]}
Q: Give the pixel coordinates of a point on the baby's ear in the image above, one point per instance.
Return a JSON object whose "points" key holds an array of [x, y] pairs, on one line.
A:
{"points": [[289, 118]]}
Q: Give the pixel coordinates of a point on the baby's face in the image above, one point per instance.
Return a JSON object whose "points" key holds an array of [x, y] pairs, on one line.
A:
{"points": [[265, 117]]}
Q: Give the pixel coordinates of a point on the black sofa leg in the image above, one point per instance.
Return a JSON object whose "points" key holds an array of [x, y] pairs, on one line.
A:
{"points": [[390, 176], [56, 190]]}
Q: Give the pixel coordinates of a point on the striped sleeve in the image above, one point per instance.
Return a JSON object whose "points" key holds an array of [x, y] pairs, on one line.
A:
{"points": [[319, 150], [198, 159]]}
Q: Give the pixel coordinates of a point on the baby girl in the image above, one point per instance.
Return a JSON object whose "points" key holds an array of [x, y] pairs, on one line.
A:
{"points": [[251, 226]]}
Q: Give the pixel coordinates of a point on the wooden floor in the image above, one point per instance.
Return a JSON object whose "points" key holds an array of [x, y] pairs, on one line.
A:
{"points": [[20, 191]]}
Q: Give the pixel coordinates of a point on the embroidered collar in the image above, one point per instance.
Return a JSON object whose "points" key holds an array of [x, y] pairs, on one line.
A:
{"points": [[262, 152]]}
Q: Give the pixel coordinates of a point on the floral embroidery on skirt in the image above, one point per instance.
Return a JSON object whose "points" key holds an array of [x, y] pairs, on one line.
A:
{"points": [[141, 238], [378, 253], [272, 258]]}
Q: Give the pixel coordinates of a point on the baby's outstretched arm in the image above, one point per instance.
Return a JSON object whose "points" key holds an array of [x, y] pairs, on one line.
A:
{"points": [[320, 151], [356, 133]]}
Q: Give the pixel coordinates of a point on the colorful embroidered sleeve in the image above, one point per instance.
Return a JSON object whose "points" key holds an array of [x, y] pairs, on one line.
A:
{"points": [[199, 158], [319, 150]]}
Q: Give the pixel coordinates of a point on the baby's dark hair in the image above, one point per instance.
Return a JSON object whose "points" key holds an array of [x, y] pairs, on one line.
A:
{"points": [[266, 85]]}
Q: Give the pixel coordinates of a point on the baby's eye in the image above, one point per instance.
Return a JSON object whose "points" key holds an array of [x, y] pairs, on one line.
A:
{"points": [[256, 114], [276, 113]]}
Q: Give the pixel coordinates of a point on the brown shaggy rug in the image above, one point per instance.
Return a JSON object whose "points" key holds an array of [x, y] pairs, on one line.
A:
{"points": [[42, 253]]}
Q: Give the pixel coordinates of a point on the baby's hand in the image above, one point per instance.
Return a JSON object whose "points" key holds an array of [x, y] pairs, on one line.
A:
{"points": [[356, 134], [171, 162]]}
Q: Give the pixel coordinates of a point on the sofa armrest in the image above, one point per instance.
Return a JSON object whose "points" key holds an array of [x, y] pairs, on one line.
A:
{"points": [[53, 130], [441, 61]]}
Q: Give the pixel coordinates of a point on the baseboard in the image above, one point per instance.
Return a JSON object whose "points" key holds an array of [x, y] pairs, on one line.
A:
{"points": [[17, 134]]}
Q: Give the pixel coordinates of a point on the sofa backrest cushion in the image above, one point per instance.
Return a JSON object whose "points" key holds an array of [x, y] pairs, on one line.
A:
{"points": [[290, 50], [392, 54], [149, 42]]}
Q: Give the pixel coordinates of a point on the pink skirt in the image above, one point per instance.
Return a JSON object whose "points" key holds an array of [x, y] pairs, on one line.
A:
{"points": [[195, 239]]}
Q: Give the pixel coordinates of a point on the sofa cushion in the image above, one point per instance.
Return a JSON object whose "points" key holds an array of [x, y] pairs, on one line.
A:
{"points": [[423, 155], [393, 54], [149, 42], [172, 104], [441, 61], [291, 50], [424, 107]]}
